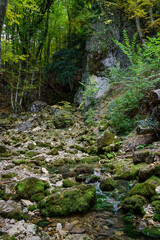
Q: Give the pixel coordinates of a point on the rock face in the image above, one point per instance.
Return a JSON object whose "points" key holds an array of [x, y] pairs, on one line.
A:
{"points": [[70, 201], [31, 188], [102, 54], [10, 209]]}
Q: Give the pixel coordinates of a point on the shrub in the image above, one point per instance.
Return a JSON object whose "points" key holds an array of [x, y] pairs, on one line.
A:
{"points": [[64, 66], [136, 80]]}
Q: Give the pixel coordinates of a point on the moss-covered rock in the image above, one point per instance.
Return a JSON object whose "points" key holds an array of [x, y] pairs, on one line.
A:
{"points": [[70, 201], [31, 154], [3, 149], [54, 151], [92, 179], [106, 139], [143, 156], [156, 215], [123, 174], [157, 170], [69, 183], [59, 162], [134, 204], [31, 188], [107, 184], [19, 162], [144, 174], [145, 189], [90, 159], [31, 146], [63, 119]]}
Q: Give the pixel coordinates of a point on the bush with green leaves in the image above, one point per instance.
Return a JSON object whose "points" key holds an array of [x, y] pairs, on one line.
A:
{"points": [[64, 65], [136, 81]]}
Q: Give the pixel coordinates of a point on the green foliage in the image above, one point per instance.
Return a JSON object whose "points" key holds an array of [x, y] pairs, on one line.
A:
{"points": [[102, 204], [136, 81], [152, 232], [64, 65]]}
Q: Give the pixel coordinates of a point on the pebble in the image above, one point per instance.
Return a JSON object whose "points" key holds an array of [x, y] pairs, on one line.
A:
{"points": [[12, 221], [68, 226], [44, 170], [59, 184], [75, 222], [59, 227], [26, 203]]}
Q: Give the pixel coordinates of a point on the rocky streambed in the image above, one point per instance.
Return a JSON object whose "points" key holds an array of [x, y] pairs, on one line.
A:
{"points": [[61, 179]]}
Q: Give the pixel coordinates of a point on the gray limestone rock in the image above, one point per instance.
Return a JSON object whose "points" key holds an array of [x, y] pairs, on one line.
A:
{"points": [[10, 209]]}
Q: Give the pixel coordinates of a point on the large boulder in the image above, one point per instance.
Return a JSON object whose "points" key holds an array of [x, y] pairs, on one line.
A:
{"points": [[145, 173], [134, 204], [3, 148], [145, 189], [143, 156], [106, 139], [32, 188], [67, 202], [107, 184]]}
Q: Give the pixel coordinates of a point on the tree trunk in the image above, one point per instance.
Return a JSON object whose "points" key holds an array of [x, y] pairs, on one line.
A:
{"points": [[3, 7], [138, 25]]}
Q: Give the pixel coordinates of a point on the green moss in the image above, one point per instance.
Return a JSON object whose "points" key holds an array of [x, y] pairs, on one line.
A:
{"points": [[9, 175], [3, 149], [90, 159], [125, 175], [107, 184], [31, 188], [67, 202], [109, 155], [31, 154], [31, 208], [144, 189], [69, 183], [152, 232], [154, 180], [19, 162], [31, 146], [93, 179], [131, 231], [102, 205], [54, 151], [156, 202], [134, 204]]}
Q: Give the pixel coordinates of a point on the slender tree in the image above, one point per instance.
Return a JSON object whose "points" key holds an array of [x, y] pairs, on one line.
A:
{"points": [[3, 7]]}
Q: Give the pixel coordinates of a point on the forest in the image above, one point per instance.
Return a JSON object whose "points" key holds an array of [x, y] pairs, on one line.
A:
{"points": [[79, 119]]}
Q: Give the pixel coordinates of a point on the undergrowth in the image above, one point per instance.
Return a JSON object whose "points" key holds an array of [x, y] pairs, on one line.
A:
{"points": [[136, 81]]}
